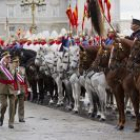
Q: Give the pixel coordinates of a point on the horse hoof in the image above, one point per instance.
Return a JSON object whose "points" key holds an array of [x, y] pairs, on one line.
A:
{"points": [[90, 115], [128, 112], [41, 102], [136, 130], [116, 127], [121, 128], [51, 103], [69, 109], [75, 112], [133, 117], [58, 105], [98, 116], [102, 119]]}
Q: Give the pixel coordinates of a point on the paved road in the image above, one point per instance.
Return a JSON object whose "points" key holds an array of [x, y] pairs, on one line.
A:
{"points": [[43, 123]]}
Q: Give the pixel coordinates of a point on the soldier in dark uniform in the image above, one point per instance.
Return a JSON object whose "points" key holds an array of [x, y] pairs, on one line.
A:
{"points": [[8, 89], [135, 27]]}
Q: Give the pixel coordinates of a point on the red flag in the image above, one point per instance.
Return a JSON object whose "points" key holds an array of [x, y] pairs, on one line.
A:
{"points": [[70, 15], [108, 6], [101, 5], [85, 14], [75, 14]]}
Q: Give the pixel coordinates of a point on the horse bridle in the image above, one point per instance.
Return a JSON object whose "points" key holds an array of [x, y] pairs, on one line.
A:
{"points": [[41, 58], [47, 68], [119, 62], [67, 62]]}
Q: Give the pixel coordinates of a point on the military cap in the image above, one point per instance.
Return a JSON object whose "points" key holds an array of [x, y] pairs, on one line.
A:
{"points": [[5, 54], [15, 59], [136, 21]]}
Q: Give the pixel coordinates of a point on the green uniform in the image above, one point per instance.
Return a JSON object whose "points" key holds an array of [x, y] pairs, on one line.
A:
{"points": [[7, 91], [21, 95]]}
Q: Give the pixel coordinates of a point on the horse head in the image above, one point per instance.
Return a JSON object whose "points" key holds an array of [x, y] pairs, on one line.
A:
{"points": [[66, 59], [103, 58], [47, 65], [119, 53], [31, 70], [40, 56], [75, 56], [87, 56]]}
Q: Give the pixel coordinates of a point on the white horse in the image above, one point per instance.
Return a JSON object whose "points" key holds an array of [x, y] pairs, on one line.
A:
{"points": [[70, 67], [51, 54], [96, 85]]}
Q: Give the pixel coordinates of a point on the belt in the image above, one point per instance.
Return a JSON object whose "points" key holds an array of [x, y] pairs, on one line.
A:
{"points": [[7, 82], [22, 83]]}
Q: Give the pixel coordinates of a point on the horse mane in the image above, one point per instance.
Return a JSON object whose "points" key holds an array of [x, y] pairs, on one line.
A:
{"points": [[94, 12], [126, 47]]}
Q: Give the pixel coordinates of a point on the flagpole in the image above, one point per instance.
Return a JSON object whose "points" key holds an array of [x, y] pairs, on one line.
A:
{"points": [[77, 3], [111, 26], [109, 23], [105, 18]]}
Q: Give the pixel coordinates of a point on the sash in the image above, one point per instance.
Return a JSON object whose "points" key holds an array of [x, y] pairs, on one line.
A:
{"points": [[23, 83], [20, 79], [9, 77], [6, 72]]}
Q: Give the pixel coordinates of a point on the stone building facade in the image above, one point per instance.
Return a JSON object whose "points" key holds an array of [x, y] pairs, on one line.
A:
{"points": [[12, 16]]}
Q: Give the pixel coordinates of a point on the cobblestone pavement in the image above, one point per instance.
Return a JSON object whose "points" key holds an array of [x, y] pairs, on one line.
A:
{"points": [[43, 123]]}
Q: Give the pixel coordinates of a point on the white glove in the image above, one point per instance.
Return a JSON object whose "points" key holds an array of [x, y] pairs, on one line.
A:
{"points": [[29, 90], [18, 93], [120, 35]]}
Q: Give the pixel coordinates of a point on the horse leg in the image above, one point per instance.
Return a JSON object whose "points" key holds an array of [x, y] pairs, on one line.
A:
{"points": [[90, 97], [102, 98], [96, 105], [60, 90], [68, 94], [82, 91], [77, 92], [109, 101], [135, 101], [51, 91], [55, 91], [120, 103], [41, 91], [74, 97], [122, 112], [34, 88], [118, 106]]}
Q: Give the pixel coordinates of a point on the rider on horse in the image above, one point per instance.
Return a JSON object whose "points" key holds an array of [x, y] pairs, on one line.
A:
{"points": [[135, 27]]}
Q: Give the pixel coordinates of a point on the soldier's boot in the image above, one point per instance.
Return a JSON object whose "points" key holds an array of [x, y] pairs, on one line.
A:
{"points": [[1, 121], [11, 126], [21, 120]]}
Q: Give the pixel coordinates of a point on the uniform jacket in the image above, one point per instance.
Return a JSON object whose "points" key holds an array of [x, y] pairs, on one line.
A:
{"points": [[6, 88], [136, 35], [22, 85]]}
